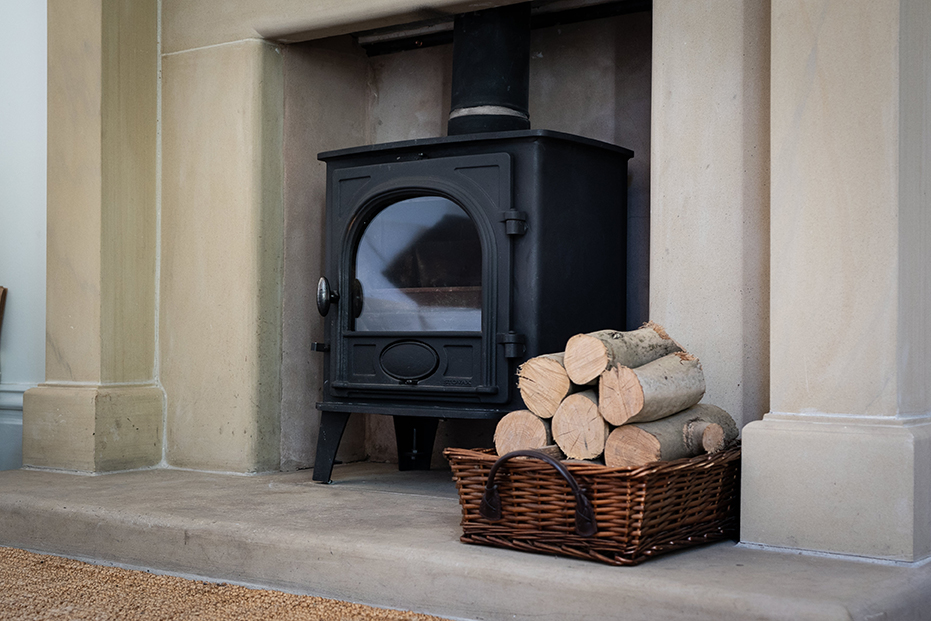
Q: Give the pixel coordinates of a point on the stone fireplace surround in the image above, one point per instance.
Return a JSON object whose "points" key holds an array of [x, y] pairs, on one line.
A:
{"points": [[789, 150]]}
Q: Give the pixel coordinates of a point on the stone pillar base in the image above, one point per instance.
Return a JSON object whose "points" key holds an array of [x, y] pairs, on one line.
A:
{"points": [[845, 485], [93, 428]]}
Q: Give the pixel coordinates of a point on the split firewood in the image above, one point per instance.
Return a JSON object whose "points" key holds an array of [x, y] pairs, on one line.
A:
{"points": [[544, 383], [522, 429], [578, 428], [653, 391], [552, 450], [700, 429], [598, 461], [590, 355]]}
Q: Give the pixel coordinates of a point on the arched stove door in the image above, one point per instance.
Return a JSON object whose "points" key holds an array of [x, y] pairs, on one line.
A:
{"points": [[423, 273]]}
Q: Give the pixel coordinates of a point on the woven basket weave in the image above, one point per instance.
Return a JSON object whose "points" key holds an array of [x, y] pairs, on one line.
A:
{"points": [[638, 512]]}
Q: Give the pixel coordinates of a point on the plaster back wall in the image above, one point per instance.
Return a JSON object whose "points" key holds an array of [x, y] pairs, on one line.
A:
{"points": [[222, 256], [591, 78], [326, 106], [710, 260]]}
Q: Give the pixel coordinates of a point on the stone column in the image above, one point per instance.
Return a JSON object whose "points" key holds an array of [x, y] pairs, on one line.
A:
{"points": [[100, 407], [842, 463], [709, 246]]}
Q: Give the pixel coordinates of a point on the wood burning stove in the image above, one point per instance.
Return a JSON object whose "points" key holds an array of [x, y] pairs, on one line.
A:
{"points": [[451, 260]]}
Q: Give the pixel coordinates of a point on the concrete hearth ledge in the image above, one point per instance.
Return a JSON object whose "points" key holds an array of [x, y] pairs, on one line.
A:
{"points": [[390, 539]]}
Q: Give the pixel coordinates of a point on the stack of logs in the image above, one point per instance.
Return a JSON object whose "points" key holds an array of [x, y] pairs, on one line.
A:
{"points": [[630, 398]]}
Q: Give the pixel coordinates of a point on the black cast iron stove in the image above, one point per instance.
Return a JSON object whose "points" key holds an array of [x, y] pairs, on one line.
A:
{"points": [[449, 261]]}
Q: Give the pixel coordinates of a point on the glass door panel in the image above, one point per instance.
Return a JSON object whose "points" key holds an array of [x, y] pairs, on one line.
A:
{"points": [[418, 267]]}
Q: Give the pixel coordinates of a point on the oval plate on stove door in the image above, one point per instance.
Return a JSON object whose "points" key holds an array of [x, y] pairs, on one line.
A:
{"points": [[409, 361]]}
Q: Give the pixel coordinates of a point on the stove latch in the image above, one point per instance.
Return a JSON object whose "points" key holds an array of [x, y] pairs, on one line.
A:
{"points": [[515, 222], [513, 344]]}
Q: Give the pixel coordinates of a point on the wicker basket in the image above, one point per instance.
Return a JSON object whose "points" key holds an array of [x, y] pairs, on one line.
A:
{"points": [[635, 513]]}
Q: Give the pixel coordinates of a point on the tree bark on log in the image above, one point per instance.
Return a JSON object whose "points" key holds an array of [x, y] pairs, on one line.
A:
{"points": [[650, 392], [522, 429], [544, 383], [590, 355], [685, 434], [578, 428]]}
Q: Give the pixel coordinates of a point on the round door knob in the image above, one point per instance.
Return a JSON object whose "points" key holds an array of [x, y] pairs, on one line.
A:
{"points": [[357, 298], [325, 296]]}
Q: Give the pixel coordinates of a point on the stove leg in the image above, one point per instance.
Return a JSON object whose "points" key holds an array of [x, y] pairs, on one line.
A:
{"points": [[332, 425], [415, 436]]}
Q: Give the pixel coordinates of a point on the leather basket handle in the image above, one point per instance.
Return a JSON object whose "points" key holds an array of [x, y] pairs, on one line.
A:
{"points": [[490, 507]]}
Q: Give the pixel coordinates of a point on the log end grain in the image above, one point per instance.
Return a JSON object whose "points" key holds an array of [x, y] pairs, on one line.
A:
{"points": [[713, 438], [586, 358], [543, 384], [620, 395], [521, 429], [696, 432], [578, 428], [630, 447]]}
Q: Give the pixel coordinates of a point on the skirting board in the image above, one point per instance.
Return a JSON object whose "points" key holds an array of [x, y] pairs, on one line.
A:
{"points": [[11, 439], [11, 396]]}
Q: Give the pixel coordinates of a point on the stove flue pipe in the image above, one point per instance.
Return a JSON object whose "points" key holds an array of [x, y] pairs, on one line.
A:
{"points": [[491, 70]]}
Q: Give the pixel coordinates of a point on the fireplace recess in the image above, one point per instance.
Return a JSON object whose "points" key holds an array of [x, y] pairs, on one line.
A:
{"points": [[449, 261]]}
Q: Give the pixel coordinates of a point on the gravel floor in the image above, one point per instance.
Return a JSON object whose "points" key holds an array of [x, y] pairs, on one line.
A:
{"points": [[35, 586]]}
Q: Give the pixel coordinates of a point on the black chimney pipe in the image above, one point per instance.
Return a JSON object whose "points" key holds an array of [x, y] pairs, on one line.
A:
{"points": [[491, 70]]}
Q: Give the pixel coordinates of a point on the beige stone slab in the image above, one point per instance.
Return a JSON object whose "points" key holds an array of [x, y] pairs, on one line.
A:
{"points": [[73, 351], [101, 191], [849, 485], [709, 241], [128, 428], [221, 255], [128, 211], [835, 204], [914, 338], [93, 428], [391, 539], [58, 427]]}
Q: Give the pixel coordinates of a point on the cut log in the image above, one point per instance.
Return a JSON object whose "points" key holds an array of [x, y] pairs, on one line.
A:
{"points": [[590, 355], [598, 461], [544, 383], [713, 437], [552, 450], [653, 391], [578, 428], [685, 434], [522, 429]]}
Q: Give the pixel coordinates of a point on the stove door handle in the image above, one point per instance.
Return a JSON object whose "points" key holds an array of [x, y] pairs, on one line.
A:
{"points": [[325, 296]]}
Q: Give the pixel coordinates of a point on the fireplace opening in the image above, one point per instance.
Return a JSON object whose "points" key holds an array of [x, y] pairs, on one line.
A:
{"points": [[403, 335]]}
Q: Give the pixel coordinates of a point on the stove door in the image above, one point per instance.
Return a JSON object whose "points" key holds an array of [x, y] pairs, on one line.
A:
{"points": [[423, 262]]}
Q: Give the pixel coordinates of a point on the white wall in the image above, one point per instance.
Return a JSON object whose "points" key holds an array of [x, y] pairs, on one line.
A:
{"points": [[22, 213]]}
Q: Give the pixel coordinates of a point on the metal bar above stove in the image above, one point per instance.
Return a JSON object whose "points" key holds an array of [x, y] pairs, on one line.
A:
{"points": [[439, 30]]}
